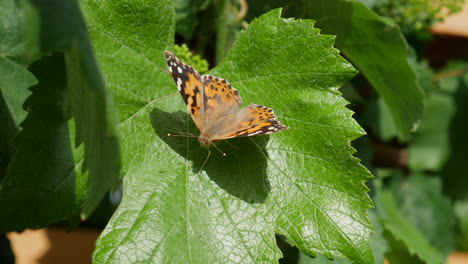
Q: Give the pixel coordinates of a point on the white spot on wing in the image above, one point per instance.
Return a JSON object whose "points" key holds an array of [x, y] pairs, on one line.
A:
{"points": [[255, 133], [179, 69], [179, 84]]}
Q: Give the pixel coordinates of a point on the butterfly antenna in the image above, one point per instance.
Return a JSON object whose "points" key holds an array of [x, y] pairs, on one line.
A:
{"points": [[216, 147], [208, 156], [181, 135], [206, 160]]}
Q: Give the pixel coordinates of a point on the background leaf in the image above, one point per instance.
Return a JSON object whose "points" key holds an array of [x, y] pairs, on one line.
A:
{"points": [[19, 46], [186, 15], [16, 49], [421, 198], [40, 186], [461, 213], [453, 172], [63, 28], [376, 48], [378, 115], [41, 192], [429, 149], [7, 133], [379, 51], [401, 230], [378, 244], [305, 185]]}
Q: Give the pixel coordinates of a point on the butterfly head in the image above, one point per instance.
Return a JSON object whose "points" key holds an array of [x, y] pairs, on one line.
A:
{"points": [[204, 140]]}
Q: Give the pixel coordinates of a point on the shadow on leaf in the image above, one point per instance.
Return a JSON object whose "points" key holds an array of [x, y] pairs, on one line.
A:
{"points": [[242, 172]]}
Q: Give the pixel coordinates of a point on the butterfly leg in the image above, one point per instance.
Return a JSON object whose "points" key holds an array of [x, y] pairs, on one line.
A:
{"points": [[206, 160]]}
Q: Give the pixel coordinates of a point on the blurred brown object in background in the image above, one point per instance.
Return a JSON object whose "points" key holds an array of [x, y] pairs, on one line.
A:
{"points": [[53, 246], [450, 39]]}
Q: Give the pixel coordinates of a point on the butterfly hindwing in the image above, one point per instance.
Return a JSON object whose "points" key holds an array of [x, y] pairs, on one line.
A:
{"points": [[219, 98], [251, 120]]}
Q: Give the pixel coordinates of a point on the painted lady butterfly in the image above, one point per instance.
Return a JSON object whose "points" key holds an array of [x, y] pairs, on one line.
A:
{"points": [[214, 106]]}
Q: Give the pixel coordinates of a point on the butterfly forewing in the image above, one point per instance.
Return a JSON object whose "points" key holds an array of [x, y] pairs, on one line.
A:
{"points": [[190, 87]]}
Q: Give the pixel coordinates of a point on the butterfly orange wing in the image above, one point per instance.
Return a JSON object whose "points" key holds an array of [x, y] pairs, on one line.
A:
{"points": [[190, 87], [219, 99], [250, 121]]}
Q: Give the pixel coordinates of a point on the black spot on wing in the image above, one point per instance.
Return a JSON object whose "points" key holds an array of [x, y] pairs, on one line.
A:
{"points": [[253, 130], [194, 98]]}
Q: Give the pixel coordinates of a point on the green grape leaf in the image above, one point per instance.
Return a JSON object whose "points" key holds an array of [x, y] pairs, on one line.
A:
{"points": [[376, 48], [378, 244], [19, 46], [302, 183], [379, 115], [461, 212], [379, 51], [319, 259], [63, 28], [453, 171], [430, 149], [421, 199], [424, 73], [39, 187], [372, 3], [401, 229], [7, 133]]}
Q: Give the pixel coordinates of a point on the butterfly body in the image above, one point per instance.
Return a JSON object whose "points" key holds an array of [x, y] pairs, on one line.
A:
{"points": [[214, 106]]}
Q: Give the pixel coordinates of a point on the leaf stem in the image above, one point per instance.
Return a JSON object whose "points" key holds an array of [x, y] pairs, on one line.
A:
{"points": [[454, 73], [222, 7]]}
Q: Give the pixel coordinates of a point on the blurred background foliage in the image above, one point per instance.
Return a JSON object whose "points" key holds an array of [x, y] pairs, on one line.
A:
{"points": [[414, 15]]}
